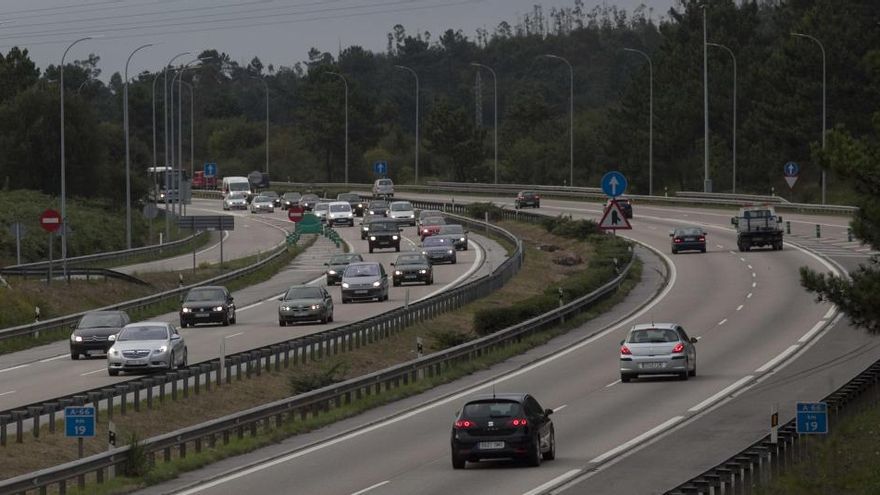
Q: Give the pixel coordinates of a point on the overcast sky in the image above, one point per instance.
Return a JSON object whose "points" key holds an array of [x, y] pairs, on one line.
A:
{"points": [[279, 32]]}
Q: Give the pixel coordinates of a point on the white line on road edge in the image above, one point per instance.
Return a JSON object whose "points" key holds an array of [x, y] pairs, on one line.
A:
{"points": [[722, 322], [818, 326], [830, 312], [749, 295], [648, 434], [53, 358], [555, 481], [615, 382], [739, 307], [559, 408], [773, 362], [741, 258], [7, 393], [726, 390], [719, 246], [233, 335], [478, 262], [92, 372], [14, 368], [365, 490]]}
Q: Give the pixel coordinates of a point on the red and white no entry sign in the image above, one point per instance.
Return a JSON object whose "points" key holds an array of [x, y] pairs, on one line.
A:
{"points": [[295, 213], [50, 220]]}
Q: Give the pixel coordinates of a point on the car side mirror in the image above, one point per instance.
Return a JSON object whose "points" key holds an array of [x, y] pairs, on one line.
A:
{"points": [[231, 299], [548, 412], [779, 219], [671, 233], [281, 298], [694, 340], [175, 337], [733, 221], [622, 342], [392, 263], [326, 264]]}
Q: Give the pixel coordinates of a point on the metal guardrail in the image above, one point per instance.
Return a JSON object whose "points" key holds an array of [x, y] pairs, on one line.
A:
{"points": [[75, 272], [314, 403], [734, 196]]}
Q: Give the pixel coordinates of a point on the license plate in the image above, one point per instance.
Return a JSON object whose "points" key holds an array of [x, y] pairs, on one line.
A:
{"points": [[690, 239], [136, 362], [360, 292], [202, 315], [652, 365], [411, 277], [491, 445]]}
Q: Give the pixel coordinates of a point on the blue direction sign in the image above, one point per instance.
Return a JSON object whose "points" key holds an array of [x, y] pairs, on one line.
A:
{"points": [[791, 169], [614, 184], [381, 167], [210, 170], [79, 422], [812, 418]]}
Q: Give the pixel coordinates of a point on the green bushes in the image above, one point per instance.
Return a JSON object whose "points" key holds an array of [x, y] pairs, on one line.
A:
{"points": [[567, 227], [302, 382], [449, 338], [479, 210]]}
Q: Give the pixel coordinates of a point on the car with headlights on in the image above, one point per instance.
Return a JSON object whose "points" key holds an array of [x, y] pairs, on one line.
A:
{"points": [[322, 208], [402, 212], [384, 235], [336, 265], [503, 426], [289, 199], [236, 200], [424, 215], [378, 207], [439, 250], [208, 304], [431, 226], [262, 204], [305, 303], [527, 198], [367, 221], [688, 239], [457, 233], [366, 280], [339, 213], [308, 201], [145, 346], [355, 201], [276, 199], [96, 331], [657, 349], [412, 267]]}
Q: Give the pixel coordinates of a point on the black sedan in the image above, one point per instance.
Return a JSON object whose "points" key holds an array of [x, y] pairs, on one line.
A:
{"points": [[688, 239], [308, 201], [503, 426], [336, 265], [439, 249], [289, 199], [209, 304], [412, 267], [378, 208], [357, 204], [96, 331], [276, 199], [457, 233], [527, 198]]}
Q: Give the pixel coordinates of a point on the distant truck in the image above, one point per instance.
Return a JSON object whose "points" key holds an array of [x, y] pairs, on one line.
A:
{"points": [[199, 181], [758, 226]]}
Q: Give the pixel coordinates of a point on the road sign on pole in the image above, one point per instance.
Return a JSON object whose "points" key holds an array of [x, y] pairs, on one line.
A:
{"points": [[210, 170], [614, 184], [791, 170], [79, 422], [50, 220], [812, 418], [613, 218], [295, 213], [380, 167]]}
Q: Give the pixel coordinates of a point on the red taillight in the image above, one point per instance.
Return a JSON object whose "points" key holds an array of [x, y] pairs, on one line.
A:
{"points": [[518, 422], [463, 424], [701, 239], [625, 350], [677, 240], [679, 347], [537, 197]]}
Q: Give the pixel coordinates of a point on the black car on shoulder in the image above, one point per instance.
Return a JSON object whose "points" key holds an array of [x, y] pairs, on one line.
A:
{"points": [[378, 207], [208, 304], [336, 265], [357, 204], [527, 198], [384, 235], [96, 331], [503, 426], [412, 267]]}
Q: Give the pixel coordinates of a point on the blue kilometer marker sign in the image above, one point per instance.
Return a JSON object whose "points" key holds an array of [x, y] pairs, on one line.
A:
{"points": [[79, 422], [812, 418]]}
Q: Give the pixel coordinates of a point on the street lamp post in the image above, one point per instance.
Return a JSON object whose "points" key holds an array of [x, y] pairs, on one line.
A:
{"points": [[127, 151], [179, 172], [167, 163], [495, 95], [192, 125], [707, 182], [733, 57], [570, 116], [64, 227], [822, 48], [413, 72], [650, 118], [266, 86], [345, 82]]}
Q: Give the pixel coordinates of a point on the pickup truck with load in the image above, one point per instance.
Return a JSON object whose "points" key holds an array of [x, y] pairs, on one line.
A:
{"points": [[758, 226]]}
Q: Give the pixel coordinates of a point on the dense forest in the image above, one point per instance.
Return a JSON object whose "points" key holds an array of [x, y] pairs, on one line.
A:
{"points": [[779, 105]]}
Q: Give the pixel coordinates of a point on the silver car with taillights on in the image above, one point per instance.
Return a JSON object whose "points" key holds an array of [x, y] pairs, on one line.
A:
{"points": [[658, 349], [145, 346]]}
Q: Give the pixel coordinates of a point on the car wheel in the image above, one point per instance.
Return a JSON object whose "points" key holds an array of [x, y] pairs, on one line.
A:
{"points": [[693, 372], [703, 250], [344, 301], [232, 320], [537, 205], [330, 318], [281, 322], [535, 455], [396, 283], [431, 280], [551, 452], [171, 361], [183, 362], [674, 251], [457, 462], [686, 373], [371, 249], [454, 260], [226, 320], [113, 372], [397, 248], [182, 324], [625, 378], [74, 355]]}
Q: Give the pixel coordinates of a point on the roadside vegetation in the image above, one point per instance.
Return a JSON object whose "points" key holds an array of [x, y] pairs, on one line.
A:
{"points": [[538, 273]]}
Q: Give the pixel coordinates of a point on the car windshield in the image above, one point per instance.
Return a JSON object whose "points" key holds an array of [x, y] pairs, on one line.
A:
{"points": [[338, 208], [429, 213], [491, 409], [262, 199], [341, 259], [348, 197], [410, 259], [205, 295], [401, 207], [291, 196], [303, 293], [689, 231], [434, 241], [94, 320], [370, 270], [434, 221], [237, 195], [452, 229], [526, 194], [378, 204], [653, 336], [153, 332], [310, 197], [383, 227], [322, 206], [239, 186]]}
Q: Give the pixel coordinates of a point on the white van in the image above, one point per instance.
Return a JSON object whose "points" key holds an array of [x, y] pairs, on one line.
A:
{"points": [[236, 184], [340, 213]]}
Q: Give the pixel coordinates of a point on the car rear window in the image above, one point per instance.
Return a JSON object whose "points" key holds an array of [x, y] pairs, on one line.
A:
{"points": [[690, 231], [451, 229], [385, 182], [652, 336], [337, 208], [491, 409]]}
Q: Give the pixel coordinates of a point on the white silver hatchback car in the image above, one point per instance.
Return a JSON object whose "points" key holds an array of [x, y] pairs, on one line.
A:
{"points": [[658, 349]]}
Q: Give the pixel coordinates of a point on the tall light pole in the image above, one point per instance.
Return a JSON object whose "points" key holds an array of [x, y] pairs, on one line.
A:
{"points": [[64, 227], [127, 151], [650, 118], [733, 57], [192, 125], [707, 182], [345, 82], [266, 86], [822, 48], [179, 172], [495, 90], [413, 72], [167, 163], [570, 116]]}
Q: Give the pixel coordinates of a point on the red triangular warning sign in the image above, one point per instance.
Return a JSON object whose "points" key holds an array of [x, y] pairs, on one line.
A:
{"points": [[613, 218]]}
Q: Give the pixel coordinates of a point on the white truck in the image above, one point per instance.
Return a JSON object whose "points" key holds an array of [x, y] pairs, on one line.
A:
{"points": [[758, 226]]}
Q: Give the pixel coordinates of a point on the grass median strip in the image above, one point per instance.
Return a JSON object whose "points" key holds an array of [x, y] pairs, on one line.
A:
{"points": [[539, 272]]}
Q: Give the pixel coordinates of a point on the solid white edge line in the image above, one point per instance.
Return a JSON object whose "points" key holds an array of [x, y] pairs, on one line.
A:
{"points": [[722, 322], [7, 393], [750, 267], [754, 284], [373, 487], [818, 326], [773, 362], [739, 307], [4, 370], [54, 358], [478, 262], [615, 382], [648, 434], [726, 390], [555, 481], [92, 372], [830, 313], [233, 335], [559, 408], [754, 274]]}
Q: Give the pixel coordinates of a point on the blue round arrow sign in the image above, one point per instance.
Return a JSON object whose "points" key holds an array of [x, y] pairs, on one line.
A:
{"points": [[614, 184], [791, 169]]}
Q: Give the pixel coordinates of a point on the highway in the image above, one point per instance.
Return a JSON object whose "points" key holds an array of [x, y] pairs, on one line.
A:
{"points": [[761, 337], [46, 372]]}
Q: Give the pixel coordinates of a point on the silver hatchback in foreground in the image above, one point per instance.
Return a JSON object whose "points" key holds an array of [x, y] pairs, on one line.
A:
{"points": [[147, 345], [657, 349]]}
